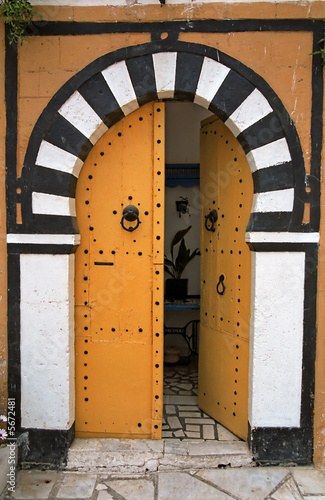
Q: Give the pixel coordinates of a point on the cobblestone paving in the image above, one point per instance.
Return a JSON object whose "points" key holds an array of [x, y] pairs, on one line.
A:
{"points": [[182, 417]]}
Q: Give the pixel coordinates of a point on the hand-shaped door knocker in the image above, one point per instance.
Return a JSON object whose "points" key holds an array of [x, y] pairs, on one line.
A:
{"points": [[130, 213], [212, 217]]}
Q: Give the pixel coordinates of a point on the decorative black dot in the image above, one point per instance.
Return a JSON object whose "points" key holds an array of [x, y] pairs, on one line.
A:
{"points": [[102, 153], [119, 134]]}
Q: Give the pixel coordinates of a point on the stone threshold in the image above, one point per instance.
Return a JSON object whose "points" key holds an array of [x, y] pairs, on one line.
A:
{"points": [[128, 456]]}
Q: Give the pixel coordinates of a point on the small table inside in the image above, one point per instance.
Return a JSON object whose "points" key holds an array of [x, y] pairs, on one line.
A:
{"points": [[190, 330]]}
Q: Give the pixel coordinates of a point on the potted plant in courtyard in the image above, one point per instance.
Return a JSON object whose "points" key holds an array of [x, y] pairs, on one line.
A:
{"points": [[176, 287]]}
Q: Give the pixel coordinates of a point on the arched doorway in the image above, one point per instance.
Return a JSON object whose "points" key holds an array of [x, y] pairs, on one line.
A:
{"points": [[100, 95]]}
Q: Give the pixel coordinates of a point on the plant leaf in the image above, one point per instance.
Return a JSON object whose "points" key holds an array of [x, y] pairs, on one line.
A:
{"points": [[182, 259], [169, 272], [177, 238]]}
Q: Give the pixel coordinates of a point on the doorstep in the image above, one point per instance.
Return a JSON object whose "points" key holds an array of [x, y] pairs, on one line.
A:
{"points": [[140, 456]]}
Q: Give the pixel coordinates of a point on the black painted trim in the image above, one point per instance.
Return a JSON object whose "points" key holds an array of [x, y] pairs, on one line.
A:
{"points": [[233, 91], [316, 132], [142, 75], [46, 180], [263, 132], [55, 224], [46, 449], [280, 247], [30, 248], [11, 89], [66, 136], [273, 178], [99, 96], [14, 383], [188, 71], [269, 221], [278, 445], [66, 28]]}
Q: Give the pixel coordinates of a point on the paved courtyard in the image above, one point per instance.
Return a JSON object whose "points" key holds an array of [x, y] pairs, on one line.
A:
{"points": [[268, 483], [182, 417]]}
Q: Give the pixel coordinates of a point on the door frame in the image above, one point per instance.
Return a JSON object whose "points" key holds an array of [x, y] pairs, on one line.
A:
{"points": [[284, 250]]}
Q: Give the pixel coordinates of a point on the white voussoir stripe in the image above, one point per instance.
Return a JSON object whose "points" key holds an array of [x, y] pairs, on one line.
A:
{"points": [[274, 153], [211, 78], [274, 201], [81, 115], [50, 204], [118, 79], [55, 158], [252, 109], [164, 64]]}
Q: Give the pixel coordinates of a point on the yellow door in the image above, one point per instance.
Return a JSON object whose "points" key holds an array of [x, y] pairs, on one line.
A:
{"points": [[119, 281], [227, 188]]}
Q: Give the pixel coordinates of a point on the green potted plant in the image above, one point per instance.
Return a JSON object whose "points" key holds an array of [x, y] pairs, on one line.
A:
{"points": [[17, 14], [176, 287]]}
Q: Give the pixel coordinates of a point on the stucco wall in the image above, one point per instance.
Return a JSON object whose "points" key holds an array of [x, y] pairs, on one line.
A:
{"points": [[282, 59]]}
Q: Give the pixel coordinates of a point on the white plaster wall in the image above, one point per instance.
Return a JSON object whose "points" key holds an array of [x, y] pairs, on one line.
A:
{"points": [[192, 240], [276, 339], [47, 341], [183, 131], [183, 121]]}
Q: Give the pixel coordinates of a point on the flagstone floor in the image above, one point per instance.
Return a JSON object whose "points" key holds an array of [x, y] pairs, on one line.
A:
{"points": [[182, 418]]}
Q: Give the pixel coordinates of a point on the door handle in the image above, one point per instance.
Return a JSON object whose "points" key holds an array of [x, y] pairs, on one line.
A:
{"points": [[212, 217], [130, 213], [220, 286]]}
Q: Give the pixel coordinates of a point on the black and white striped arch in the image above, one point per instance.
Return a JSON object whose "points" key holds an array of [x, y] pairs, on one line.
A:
{"points": [[117, 84]]}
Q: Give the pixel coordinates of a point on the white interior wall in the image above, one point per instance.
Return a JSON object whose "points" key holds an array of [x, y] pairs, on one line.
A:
{"points": [[183, 147]]}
